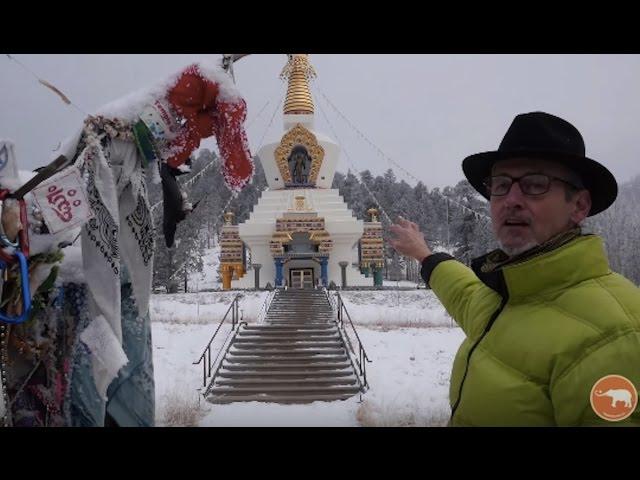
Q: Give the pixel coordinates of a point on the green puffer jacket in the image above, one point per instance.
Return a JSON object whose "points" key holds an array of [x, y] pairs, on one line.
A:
{"points": [[540, 337]]}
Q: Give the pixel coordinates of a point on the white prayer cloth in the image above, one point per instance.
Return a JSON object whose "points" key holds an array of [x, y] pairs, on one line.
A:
{"points": [[120, 231]]}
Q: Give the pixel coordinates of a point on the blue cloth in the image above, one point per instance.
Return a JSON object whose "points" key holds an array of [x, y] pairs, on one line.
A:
{"points": [[86, 406], [131, 395]]}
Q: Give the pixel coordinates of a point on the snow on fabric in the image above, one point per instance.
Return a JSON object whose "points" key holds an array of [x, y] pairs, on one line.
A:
{"points": [[204, 96], [213, 71], [207, 113], [129, 107]]}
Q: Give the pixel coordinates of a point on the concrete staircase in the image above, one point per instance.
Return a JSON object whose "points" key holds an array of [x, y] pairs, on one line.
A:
{"points": [[298, 356]]}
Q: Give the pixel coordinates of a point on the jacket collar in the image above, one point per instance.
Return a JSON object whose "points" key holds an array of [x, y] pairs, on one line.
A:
{"points": [[574, 262]]}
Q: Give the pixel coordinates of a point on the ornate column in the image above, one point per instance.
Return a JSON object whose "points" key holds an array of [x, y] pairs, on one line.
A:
{"points": [[343, 266], [377, 275], [324, 274], [279, 276], [256, 268], [227, 275]]}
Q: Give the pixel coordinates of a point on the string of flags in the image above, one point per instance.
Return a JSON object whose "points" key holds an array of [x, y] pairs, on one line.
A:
{"points": [[47, 84], [477, 215], [346, 153]]}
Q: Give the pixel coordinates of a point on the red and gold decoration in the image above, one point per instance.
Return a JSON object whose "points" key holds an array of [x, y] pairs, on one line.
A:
{"points": [[208, 110], [300, 221], [231, 247], [299, 136], [372, 243]]}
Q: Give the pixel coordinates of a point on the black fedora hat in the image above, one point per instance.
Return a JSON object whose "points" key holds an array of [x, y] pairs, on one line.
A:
{"points": [[545, 136]]}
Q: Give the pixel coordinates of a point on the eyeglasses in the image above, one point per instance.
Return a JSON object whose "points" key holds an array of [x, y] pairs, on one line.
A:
{"points": [[530, 184]]}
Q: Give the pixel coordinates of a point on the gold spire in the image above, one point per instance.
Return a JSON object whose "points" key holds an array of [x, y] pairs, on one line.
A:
{"points": [[298, 71]]}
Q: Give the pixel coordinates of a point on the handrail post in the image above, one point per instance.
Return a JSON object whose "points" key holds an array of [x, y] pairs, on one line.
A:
{"points": [[234, 314], [204, 374], [364, 366]]}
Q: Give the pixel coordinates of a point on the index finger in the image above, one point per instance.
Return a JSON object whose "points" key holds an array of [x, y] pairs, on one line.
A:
{"points": [[403, 222]]}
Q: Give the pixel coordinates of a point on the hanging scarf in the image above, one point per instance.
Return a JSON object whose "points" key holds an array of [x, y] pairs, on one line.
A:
{"points": [[120, 231]]}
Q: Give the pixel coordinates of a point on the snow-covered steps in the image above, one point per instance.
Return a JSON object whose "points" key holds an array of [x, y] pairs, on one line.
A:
{"points": [[298, 356], [284, 359], [303, 338], [296, 306], [329, 364], [283, 399], [283, 394], [284, 374]]}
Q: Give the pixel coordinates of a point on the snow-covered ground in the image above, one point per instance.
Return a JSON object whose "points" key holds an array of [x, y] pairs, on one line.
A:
{"points": [[407, 334], [204, 307], [399, 308], [208, 278]]}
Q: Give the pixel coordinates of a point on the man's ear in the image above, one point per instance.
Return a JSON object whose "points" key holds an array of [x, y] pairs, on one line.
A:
{"points": [[582, 208]]}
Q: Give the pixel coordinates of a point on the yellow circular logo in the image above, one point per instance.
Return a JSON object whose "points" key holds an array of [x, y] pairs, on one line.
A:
{"points": [[614, 398]]}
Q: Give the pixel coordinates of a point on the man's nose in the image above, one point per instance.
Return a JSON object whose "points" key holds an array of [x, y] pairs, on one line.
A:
{"points": [[514, 196]]}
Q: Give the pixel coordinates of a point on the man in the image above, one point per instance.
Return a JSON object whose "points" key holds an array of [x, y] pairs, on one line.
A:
{"points": [[547, 322]]}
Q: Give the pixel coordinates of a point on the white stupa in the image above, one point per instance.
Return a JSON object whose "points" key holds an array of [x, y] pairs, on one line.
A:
{"points": [[301, 233]]}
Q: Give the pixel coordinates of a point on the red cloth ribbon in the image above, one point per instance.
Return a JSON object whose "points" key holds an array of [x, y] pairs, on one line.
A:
{"points": [[197, 99]]}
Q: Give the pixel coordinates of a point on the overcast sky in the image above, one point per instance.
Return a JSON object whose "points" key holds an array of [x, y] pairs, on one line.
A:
{"points": [[425, 112]]}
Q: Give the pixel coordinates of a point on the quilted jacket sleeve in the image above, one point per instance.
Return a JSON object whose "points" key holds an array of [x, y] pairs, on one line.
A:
{"points": [[469, 301]]}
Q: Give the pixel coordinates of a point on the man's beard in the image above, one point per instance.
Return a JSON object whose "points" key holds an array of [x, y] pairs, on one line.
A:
{"points": [[513, 251]]}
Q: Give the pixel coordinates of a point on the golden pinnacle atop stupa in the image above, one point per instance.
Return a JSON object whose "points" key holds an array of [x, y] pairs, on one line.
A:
{"points": [[298, 71]]}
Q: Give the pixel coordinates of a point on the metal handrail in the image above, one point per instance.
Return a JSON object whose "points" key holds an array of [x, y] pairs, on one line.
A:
{"points": [[265, 306], [226, 350], [206, 354], [332, 301], [362, 357]]}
